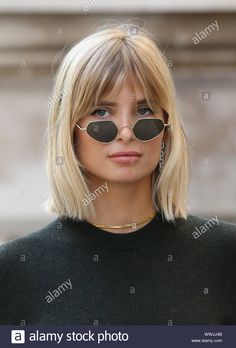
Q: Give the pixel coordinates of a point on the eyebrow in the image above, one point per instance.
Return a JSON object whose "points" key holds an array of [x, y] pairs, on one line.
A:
{"points": [[110, 103]]}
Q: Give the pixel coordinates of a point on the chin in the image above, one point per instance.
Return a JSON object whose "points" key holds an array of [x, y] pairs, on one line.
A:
{"points": [[128, 178]]}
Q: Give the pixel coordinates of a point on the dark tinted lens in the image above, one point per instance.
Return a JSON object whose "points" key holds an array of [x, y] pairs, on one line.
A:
{"points": [[104, 131], [147, 129]]}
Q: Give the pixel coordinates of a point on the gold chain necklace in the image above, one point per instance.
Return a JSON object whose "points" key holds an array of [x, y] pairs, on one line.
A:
{"points": [[126, 225]]}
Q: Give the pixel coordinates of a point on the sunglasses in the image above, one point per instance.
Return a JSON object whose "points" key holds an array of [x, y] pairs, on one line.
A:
{"points": [[106, 131]]}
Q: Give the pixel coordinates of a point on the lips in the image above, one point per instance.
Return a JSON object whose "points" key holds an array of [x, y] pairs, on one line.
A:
{"points": [[125, 153]]}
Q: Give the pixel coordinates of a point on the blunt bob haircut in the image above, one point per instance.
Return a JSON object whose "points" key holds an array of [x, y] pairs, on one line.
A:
{"points": [[93, 68]]}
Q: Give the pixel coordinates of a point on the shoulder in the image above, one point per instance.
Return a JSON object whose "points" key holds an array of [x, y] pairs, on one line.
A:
{"points": [[212, 234], [200, 226], [30, 243], [208, 244]]}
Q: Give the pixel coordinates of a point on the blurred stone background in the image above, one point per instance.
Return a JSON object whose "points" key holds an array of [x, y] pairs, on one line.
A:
{"points": [[33, 33]]}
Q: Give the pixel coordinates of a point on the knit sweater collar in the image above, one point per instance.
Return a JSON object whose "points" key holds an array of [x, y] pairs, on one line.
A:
{"points": [[90, 235]]}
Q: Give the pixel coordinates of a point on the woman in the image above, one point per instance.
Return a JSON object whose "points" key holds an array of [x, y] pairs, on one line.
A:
{"points": [[123, 250]]}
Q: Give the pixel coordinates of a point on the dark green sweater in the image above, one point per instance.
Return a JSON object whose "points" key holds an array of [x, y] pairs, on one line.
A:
{"points": [[71, 272]]}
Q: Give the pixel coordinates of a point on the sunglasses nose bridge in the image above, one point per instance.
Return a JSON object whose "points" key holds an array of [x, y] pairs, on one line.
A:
{"points": [[125, 126]]}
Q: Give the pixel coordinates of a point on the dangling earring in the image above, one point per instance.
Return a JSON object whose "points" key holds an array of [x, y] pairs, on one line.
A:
{"points": [[161, 161]]}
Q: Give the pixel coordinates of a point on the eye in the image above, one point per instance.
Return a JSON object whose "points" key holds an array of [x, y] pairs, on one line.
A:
{"points": [[143, 111], [100, 112]]}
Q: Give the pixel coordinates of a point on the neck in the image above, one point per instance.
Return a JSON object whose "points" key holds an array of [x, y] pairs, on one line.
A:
{"points": [[122, 203]]}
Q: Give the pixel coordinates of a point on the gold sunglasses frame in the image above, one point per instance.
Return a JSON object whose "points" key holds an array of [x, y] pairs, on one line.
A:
{"points": [[118, 128]]}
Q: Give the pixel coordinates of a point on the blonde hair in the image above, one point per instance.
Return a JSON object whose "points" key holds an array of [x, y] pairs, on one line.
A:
{"points": [[93, 68]]}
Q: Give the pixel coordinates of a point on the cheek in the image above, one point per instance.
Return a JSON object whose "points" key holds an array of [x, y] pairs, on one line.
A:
{"points": [[87, 150], [82, 146], [152, 152]]}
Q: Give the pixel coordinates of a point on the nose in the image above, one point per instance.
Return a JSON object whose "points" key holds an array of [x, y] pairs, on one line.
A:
{"points": [[125, 132]]}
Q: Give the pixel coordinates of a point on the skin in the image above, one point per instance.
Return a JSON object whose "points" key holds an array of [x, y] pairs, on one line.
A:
{"points": [[129, 193]]}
